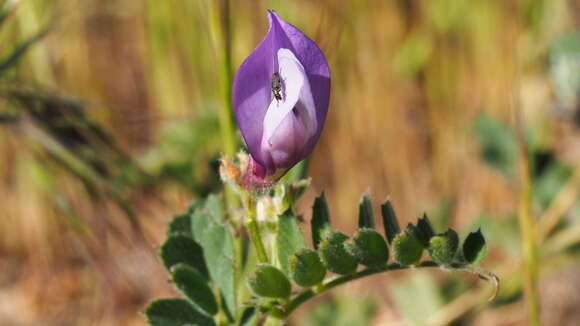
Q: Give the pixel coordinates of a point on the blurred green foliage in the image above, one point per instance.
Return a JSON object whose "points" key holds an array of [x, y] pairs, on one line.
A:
{"points": [[564, 67], [417, 308], [342, 311], [187, 152]]}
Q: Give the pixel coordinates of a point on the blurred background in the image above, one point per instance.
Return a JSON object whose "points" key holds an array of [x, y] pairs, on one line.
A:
{"points": [[110, 115]]}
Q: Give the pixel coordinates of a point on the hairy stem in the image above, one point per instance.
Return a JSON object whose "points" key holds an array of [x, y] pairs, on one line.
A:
{"points": [[330, 284], [254, 231]]}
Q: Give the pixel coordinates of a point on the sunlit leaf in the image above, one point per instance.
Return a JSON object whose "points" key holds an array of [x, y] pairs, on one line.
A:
{"points": [[213, 234]]}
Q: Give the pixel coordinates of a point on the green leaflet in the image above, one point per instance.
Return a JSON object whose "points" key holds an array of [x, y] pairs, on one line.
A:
{"points": [[407, 249], [180, 248], [180, 224], [213, 234], [369, 248], [175, 312], [474, 248], [268, 281], [443, 247], [306, 268], [390, 222], [334, 255], [289, 239], [195, 287]]}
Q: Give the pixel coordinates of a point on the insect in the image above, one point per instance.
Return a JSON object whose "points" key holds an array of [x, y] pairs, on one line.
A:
{"points": [[277, 86]]}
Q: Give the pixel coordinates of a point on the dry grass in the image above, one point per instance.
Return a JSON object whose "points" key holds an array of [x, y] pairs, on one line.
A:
{"points": [[408, 80]]}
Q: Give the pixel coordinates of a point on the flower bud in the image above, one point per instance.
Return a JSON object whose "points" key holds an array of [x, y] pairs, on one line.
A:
{"points": [[280, 98], [369, 248], [268, 281], [306, 269], [407, 249], [334, 254]]}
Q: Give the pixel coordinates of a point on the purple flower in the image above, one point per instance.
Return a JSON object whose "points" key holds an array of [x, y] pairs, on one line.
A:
{"points": [[280, 98]]}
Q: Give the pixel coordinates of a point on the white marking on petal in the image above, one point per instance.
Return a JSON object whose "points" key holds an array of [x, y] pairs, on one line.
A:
{"points": [[298, 96]]}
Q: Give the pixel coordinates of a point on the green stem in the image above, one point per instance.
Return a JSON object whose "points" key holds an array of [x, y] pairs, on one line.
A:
{"points": [[224, 50], [528, 243], [527, 223], [310, 293], [254, 230], [529, 239], [221, 32]]}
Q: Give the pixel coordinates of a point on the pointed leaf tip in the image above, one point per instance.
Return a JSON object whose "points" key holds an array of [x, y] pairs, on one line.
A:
{"points": [[366, 218], [320, 220], [426, 231], [390, 222]]}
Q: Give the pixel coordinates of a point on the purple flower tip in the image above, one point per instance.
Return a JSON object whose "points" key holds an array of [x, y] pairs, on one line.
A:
{"points": [[280, 98]]}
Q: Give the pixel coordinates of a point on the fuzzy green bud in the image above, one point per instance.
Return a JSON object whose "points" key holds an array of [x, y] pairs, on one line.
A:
{"points": [[334, 254], [407, 249], [306, 269], [268, 281], [369, 248]]}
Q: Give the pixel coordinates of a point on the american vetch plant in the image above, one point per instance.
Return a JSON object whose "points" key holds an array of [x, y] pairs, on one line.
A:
{"points": [[252, 265]]}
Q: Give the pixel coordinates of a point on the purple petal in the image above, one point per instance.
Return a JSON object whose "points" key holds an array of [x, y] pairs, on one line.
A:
{"points": [[280, 133], [316, 68], [252, 94], [290, 122]]}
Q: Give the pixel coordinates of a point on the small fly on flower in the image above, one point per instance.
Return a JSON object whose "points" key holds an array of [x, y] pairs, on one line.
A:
{"points": [[277, 86]]}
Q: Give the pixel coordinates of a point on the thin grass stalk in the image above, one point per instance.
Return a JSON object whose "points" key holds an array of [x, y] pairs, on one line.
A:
{"points": [[221, 35], [527, 224], [529, 241], [221, 26]]}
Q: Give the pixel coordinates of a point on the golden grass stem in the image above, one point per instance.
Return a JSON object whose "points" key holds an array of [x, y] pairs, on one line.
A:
{"points": [[527, 224]]}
